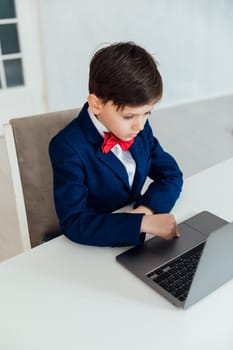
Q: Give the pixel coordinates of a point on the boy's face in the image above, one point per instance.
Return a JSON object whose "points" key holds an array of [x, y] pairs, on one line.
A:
{"points": [[125, 123]]}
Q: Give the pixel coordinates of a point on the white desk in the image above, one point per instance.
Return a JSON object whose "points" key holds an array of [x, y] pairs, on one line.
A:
{"points": [[62, 295]]}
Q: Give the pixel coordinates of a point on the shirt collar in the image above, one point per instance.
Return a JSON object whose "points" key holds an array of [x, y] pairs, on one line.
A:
{"points": [[99, 126]]}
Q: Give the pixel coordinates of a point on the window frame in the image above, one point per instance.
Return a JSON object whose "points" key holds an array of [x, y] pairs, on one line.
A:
{"points": [[11, 56]]}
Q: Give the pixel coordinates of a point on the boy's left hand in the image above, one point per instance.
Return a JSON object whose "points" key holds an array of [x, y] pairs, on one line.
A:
{"points": [[142, 210]]}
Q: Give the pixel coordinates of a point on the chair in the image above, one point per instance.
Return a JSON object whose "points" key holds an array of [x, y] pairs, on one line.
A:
{"points": [[27, 142]]}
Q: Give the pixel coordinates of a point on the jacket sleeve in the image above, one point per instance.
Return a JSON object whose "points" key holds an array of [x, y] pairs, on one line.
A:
{"points": [[79, 223], [167, 177]]}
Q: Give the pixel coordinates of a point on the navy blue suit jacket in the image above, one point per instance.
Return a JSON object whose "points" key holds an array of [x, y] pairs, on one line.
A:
{"points": [[89, 185]]}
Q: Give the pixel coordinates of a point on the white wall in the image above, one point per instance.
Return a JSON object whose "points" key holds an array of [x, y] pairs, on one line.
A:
{"points": [[192, 40], [29, 98]]}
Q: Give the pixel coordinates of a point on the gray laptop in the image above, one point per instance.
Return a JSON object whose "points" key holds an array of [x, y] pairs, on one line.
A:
{"points": [[186, 269]]}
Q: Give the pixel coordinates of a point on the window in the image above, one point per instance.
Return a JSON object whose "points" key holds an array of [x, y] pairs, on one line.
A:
{"points": [[11, 66]]}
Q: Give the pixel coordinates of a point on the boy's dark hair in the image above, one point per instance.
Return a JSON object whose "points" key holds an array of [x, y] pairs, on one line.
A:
{"points": [[126, 74]]}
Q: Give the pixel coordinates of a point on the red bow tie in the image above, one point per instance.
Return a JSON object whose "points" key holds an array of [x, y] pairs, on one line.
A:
{"points": [[110, 140]]}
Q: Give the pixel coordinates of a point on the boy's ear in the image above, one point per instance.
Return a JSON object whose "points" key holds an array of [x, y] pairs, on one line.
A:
{"points": [[95, 104]]}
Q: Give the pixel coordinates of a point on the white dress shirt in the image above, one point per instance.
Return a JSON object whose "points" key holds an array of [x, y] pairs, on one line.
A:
{"points": [[124, 156]]}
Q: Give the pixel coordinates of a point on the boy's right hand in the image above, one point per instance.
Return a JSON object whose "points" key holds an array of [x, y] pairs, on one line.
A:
{"points": [[163, 225]]}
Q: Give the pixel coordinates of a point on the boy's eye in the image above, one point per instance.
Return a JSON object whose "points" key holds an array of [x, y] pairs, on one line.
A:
{"points": [[127, 117]]}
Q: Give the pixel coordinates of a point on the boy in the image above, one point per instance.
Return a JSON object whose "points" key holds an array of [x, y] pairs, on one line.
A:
{"points": [[103, 157]]}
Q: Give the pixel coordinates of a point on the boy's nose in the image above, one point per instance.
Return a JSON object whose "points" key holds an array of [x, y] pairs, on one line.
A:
{"points": [[138, 126]]}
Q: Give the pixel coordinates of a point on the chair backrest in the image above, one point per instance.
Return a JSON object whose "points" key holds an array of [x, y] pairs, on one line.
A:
{"points": [[31, 136]]}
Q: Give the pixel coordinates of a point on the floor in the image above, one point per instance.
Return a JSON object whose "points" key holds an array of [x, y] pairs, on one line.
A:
{"points": [[199, 135]]}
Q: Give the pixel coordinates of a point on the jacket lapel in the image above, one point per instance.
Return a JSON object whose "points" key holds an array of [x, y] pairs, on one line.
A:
{"points": [[114, 164], [138, 153]]}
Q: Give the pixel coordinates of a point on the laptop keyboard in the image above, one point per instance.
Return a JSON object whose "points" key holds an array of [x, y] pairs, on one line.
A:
{"points": [[177, 275]]}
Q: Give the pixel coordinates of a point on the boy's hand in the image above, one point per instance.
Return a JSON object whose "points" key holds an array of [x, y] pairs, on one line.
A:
{"points": [[142, 210], [163, 225]]}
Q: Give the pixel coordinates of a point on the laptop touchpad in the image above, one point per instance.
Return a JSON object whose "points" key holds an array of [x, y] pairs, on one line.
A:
{"points": [[165, 250]]}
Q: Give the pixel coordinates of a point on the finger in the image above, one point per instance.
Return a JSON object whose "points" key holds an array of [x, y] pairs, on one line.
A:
{"points": [[172, 234], [177, 233]]}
